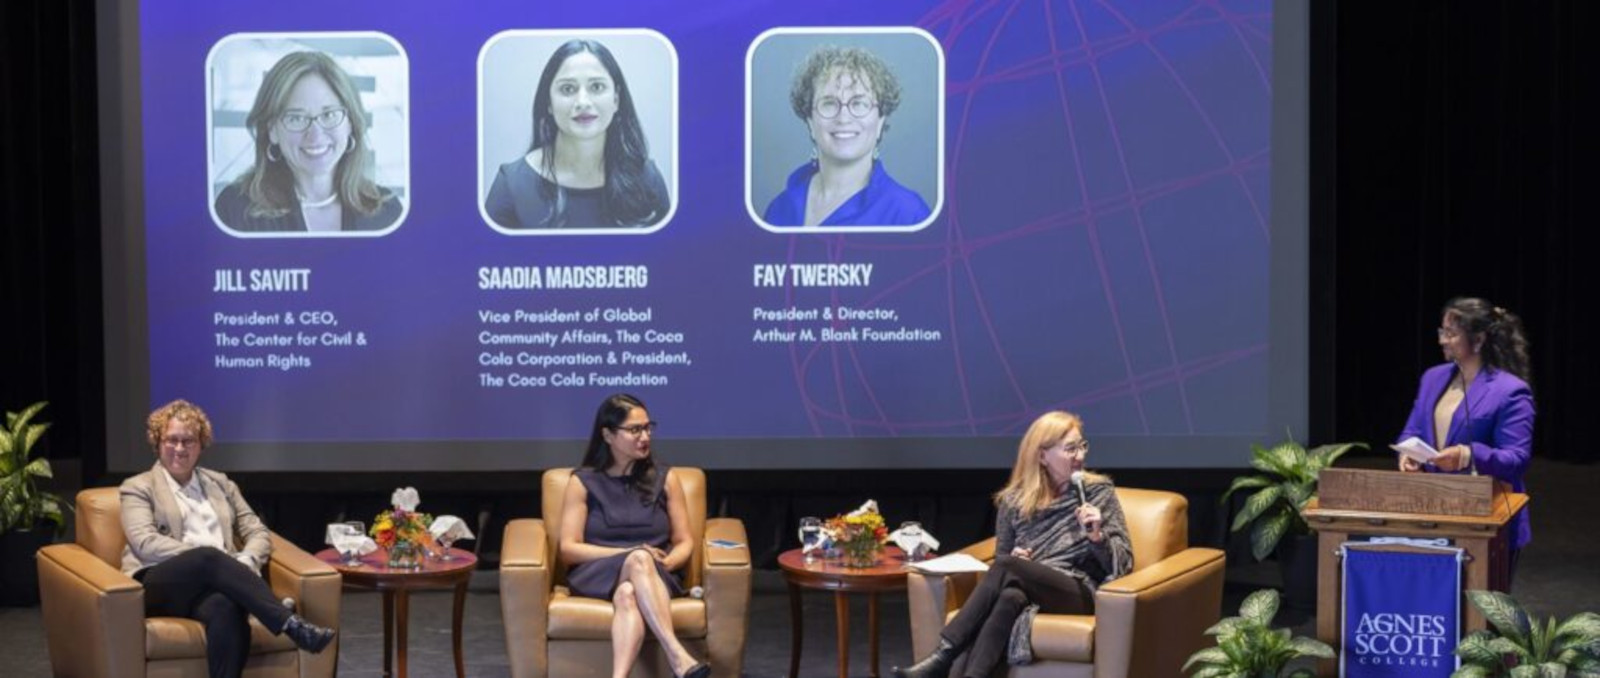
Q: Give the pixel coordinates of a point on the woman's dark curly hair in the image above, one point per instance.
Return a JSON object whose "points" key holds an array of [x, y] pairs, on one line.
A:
{"points": [[1497, 332], [853, 61]]}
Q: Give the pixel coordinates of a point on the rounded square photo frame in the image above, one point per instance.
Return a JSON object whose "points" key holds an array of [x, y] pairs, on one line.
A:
{"points": [[371, 66], [507, 85], [776, 141]]}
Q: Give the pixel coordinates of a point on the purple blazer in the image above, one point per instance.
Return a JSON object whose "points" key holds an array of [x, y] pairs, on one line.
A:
{"points": [[1495, 419]]}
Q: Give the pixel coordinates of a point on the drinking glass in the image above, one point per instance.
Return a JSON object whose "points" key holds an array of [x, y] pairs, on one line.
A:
{"points": [[810, 536], [912, 528], [346, 538], [444, 546]]}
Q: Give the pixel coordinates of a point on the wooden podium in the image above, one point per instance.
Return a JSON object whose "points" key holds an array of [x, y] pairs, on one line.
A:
{"points": [[1471, 511]]}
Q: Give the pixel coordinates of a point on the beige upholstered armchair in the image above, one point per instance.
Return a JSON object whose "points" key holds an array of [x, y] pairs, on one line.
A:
{"points": [[94, 614], [552, 633], [1145, 624]]}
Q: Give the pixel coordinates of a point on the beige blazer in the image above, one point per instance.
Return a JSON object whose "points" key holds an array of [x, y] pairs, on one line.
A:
{"points": [[153, 523]]}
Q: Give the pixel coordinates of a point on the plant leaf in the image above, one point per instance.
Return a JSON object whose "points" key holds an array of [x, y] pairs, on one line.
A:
{"points": [[1323, 456], [1475, 649], [1210, 655], [1256, 504], [30, 436], [1553, 669], [1585, 625], [1505, 646], [1471, 671], [1525, 671], [17, 420], [39, 468], [1280, 459], [1211, 671], [1266, 534], [1311, 647], [1502, 612], [1227, 626], [1246, 482], [1260, 607]]}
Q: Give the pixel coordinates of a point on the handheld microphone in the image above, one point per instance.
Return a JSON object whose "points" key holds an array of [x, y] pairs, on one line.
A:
{"points": [[1077, 479]]}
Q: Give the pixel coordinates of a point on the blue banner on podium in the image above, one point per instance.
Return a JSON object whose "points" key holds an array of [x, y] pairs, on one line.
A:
{"points": [[1402, 613]]}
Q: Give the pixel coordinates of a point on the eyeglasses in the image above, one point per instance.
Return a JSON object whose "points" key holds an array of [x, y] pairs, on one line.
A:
{"points": [[173, 441], [638, 430], [1079, 446], [859, 107], [295, 121], [1448, 333]]}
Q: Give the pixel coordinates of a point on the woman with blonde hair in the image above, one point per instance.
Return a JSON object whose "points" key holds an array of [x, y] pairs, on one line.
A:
{"points": [[197, 547], [1059, 535]]}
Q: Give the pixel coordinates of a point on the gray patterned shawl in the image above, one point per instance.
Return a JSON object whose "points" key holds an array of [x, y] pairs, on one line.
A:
{"points": [[1057, 540]]}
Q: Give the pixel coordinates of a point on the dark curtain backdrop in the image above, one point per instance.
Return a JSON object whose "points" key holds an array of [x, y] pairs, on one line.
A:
{"points": [[1462, 134], [50, 347], [1447, 139]]}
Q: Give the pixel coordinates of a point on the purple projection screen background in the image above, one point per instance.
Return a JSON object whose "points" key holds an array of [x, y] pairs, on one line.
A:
{"points": [[1101, 174]]}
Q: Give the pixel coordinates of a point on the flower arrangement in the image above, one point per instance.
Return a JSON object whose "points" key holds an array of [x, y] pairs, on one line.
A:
{"points": [[402, 530], [860, 534]]}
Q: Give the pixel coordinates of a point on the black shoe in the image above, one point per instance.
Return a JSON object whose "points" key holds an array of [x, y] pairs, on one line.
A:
{"points": [[700, 670], [306, 635], [935, 665]]}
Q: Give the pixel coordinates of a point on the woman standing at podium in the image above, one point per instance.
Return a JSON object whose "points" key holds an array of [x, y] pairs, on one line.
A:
{"points": [[1476, 409]]}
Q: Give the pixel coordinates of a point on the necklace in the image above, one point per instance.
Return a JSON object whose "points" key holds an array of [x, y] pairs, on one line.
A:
{"points": [[306, 204]]}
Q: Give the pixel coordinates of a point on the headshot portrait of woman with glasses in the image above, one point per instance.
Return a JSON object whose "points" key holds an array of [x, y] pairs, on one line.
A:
{"points": [[588, 164], [625, 535], [845, 97], [313, 168], [1059, 535]]}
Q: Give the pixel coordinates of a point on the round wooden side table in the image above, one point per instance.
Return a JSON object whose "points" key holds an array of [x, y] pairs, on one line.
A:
{"points": [[397, 585], [832, 575]]}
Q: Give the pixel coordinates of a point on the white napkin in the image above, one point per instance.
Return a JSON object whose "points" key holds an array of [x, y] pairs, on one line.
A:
{"points": [[451, 528], [405, 499], [367, 546], [870, 507], [910, 543]]}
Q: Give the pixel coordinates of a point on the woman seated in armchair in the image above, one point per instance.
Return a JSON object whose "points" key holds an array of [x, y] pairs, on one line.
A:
{"points": [[625, 535], [1059, 534]]}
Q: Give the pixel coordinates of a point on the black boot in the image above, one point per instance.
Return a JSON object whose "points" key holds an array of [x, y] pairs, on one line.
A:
{"points": [[306, 635], [935, 665]]}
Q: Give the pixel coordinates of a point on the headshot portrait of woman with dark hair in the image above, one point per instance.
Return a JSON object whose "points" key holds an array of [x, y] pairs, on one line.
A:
{"points": [[845, 97], [588, 165], [1477, 408], [313, 169]]}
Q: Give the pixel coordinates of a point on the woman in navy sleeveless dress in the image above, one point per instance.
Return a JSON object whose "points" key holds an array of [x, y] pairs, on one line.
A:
{"points": [[625, 534]]}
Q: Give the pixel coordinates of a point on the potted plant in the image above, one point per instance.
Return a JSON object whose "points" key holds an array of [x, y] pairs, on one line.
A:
{"points": [[1288, 480], [1248, 646], [24, 508], [1520, 646]]}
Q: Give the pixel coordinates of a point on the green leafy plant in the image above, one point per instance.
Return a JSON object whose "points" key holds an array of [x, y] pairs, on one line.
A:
{"points": [[1248, 647], [1288, 480], [23, 506], [1521, 647]]}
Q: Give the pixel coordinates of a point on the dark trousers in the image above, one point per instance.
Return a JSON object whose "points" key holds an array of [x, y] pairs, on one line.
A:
{"points": [[983, 626], [209, 586]]}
